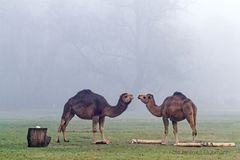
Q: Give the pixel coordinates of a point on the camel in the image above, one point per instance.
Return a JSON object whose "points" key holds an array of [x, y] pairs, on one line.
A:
{"points": [[176, 108], [91, 106]]}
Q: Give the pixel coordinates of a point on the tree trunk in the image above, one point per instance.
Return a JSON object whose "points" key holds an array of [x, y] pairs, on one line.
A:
{"points": [[37, 137]]}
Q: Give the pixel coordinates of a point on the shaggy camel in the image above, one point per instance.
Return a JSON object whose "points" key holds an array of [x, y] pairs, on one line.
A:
{"points": [[88, 105], [176, 108]]}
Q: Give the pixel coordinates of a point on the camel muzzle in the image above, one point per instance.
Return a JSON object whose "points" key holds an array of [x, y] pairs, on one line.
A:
{"points": [[131, 96]]}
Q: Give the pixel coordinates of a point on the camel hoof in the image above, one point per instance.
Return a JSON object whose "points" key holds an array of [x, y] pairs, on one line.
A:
{"points": [[176, 142], [66, 140], [164, 143]]}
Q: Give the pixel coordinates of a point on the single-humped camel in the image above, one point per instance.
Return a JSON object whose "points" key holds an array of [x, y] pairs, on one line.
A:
{"points": [[91, 106], [176, 108]]}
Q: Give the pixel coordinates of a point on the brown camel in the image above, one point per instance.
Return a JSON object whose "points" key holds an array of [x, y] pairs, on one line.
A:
{"points": [[88, 105], [176, 108]]}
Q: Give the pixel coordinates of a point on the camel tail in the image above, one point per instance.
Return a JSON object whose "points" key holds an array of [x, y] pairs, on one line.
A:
{"points": [[195, 114], [66, 110], [65, 115]]}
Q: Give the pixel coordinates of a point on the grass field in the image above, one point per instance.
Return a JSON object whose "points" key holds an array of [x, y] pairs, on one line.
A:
{"points": [[13, 143]]}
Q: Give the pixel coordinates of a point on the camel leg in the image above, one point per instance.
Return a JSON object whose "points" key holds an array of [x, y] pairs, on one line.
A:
{"points": [[166, 123], [95, 121], [101, 127], [191, 122], [62, 128], [175, 131]]}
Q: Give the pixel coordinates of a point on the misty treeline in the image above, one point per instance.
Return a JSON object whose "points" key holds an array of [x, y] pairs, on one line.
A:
{"points": [[52, 49]]}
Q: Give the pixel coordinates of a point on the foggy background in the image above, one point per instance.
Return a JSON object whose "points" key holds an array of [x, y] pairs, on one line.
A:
{"points": [[50, 50]]}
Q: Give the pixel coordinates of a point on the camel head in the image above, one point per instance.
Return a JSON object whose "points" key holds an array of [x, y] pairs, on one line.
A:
{"points": [[126, 98], [146, 98]]}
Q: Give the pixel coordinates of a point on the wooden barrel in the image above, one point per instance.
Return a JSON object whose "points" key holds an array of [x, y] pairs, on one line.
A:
{"points": [[37, 137]]}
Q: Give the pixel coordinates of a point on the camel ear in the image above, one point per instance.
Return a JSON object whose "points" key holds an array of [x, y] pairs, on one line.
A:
{"points": [[150, 96], [124, 94]]}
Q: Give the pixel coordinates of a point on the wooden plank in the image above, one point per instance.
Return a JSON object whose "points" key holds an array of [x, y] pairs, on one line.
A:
{"points": [[102, 142], [213, 144], [188, 144], [144, 141], [206, 144]]}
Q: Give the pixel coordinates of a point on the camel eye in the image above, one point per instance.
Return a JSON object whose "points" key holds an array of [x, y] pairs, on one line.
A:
{"points": [[125, 96], [144, 97]]}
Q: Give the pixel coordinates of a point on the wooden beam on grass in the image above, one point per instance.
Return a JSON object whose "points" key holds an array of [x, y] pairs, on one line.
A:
{"points": [[213, 144], [206, 144], [102, 142], [144, 141], [188, 144]]}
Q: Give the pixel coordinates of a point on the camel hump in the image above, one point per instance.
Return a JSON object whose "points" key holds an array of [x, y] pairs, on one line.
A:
{"points": [[82, 93], [85, 91], [186, 100], [180, 94]]}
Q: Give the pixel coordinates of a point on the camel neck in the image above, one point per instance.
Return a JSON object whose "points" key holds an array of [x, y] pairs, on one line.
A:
{"points": [[114, 111], [155, 109]]}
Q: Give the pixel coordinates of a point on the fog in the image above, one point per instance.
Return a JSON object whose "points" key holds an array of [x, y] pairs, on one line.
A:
{"points": [[50, 50]]}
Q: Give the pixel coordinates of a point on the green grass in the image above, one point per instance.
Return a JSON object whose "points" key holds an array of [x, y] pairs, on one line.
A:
{"points": [[13, 143]]}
